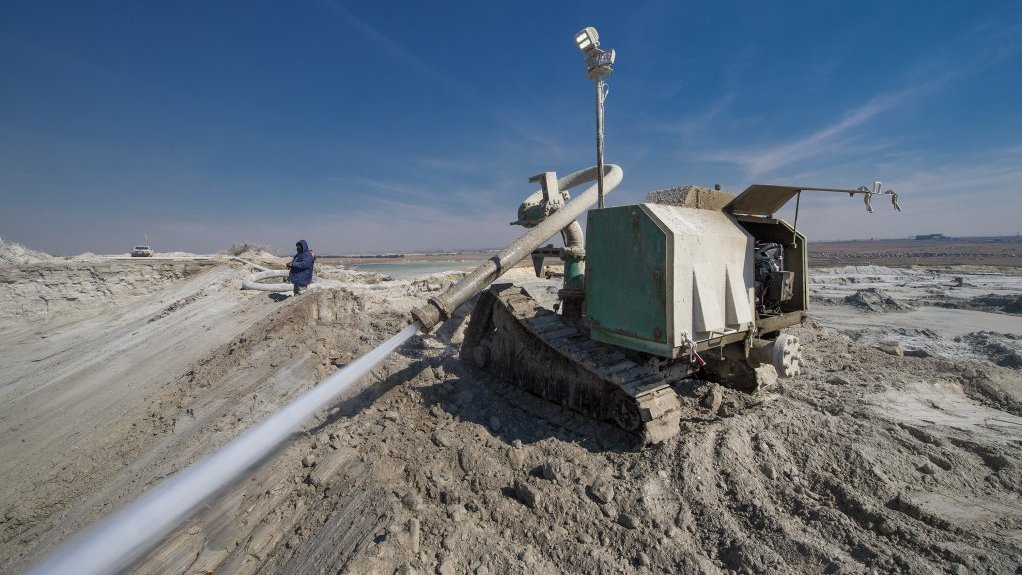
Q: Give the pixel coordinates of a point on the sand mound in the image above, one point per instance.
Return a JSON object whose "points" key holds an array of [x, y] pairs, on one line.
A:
{"points": [[12, 254], [875, 300], [244, 248], [960, 281], [1003, 349], [67, 287], [86, 257], [1004, 303], [259, 256], [996, 387]]}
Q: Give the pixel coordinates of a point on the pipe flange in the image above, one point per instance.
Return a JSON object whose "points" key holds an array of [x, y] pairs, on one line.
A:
{"points": [[435, 311], [787, 355], [577, 253], [442, 306], [427, 315]]}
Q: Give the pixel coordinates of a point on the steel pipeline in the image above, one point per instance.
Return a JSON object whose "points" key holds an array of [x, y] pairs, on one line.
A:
{"points": [[440, 308]]}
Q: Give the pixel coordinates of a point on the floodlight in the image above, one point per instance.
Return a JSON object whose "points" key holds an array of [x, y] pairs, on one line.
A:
{"points": [[598, 64], [601, 58], [587, 40]]}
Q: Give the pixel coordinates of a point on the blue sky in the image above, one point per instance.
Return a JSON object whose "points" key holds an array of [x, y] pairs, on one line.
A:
{"points": [[374, 126]]}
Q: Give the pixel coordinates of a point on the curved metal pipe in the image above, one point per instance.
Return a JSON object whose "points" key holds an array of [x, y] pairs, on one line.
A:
{"points": [[573, 236], [440, 308]]}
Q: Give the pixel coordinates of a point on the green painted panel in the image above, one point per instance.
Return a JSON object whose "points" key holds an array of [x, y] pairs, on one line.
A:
{"points": [[626, 279]]}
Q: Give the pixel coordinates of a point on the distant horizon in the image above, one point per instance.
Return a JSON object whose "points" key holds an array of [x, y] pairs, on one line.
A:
{"points": [[450, 251]]}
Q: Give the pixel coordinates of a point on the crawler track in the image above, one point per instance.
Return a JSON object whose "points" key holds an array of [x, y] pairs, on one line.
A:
{"points": [[511, 336]]}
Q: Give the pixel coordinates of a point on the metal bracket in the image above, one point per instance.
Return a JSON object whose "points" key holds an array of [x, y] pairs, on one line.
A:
{"points": [[540, 254], [868, 194], [548, 181], [749, 338]]}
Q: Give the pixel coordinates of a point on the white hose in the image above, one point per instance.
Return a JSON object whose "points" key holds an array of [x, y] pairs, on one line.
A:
{"points": [[248, 263], [128, 535], [254, 281]]}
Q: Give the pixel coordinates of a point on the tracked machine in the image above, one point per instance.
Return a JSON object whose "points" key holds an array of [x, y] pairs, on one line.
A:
{"points": [[692, 285]]}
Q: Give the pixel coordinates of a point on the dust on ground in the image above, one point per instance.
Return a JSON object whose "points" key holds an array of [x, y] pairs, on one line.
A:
{"points": [[871, 461]]}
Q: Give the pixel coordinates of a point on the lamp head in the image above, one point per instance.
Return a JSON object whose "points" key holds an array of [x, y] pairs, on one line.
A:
{"points": [[587, 40], [599, 63]]}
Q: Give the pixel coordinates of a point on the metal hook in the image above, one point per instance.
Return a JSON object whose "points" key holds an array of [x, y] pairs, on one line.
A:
{"points": [[867, 195]]}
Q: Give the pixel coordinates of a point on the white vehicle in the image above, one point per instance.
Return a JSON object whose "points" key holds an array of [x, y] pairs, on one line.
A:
{"points": [[142, 252]]}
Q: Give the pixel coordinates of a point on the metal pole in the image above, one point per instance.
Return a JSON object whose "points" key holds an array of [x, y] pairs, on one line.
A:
{"points": [[599, 140]]}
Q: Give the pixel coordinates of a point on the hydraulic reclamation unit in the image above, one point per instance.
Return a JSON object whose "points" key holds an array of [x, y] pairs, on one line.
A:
{"points": [[668, 279]]}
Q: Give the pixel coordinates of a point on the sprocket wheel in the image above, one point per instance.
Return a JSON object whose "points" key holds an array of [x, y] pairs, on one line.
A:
{"points": [[626, 413]]}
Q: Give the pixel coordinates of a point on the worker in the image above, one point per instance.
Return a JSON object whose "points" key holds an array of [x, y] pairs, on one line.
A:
{"points": [[301, 267]]}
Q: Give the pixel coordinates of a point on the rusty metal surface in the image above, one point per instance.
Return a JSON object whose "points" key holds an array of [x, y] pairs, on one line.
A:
{"points": [[765, 199], [514, 338]]}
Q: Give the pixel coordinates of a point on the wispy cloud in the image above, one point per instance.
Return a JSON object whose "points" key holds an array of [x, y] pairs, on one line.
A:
{"points": [[391, 188], [539, 142], [989, 44], [395, 49], [450, 165], [995, 176], [971, 196], [380, 196], [758, 161], [395, 225], [698, 122]]}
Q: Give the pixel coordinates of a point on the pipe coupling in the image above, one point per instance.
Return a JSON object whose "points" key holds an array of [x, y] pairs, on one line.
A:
{"points": [[435, 311], [577, 253]]}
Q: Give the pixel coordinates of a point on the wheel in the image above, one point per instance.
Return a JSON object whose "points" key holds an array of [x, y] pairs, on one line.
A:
{"points": [[787, 355], [625, 413]]}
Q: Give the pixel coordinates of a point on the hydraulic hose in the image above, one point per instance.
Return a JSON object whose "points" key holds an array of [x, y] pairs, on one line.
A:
{"points": [[248, 263], [129, 534], [254, 282]]}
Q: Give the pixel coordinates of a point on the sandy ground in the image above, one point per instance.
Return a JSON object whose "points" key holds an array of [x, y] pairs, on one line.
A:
{"points": [[897, 450]]}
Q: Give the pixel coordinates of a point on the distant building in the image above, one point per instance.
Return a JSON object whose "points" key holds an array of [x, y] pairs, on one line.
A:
{"points": [[933, 237]]}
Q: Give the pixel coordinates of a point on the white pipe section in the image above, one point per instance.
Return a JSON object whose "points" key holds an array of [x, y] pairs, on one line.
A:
{"points": [[253, 281], [128, 535], [248, 263], [351, 285]]}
